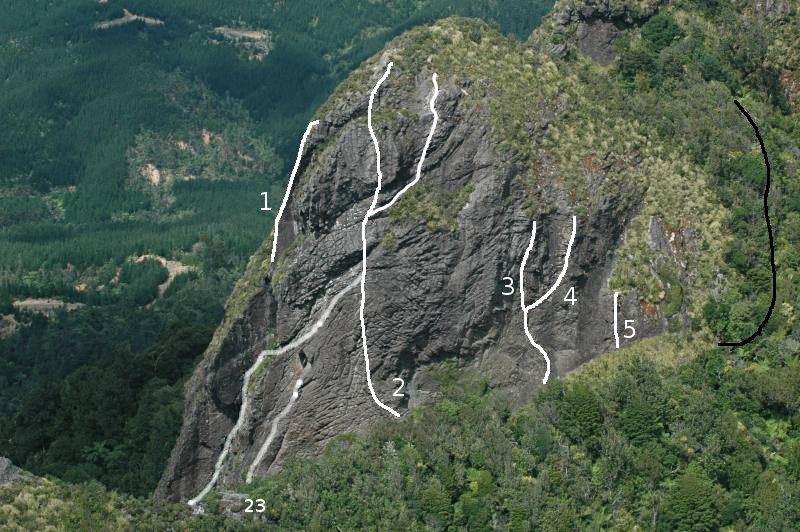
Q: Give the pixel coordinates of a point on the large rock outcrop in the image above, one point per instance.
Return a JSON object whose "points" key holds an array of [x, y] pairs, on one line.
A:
{"points": [[9, 473], [436, 260]]}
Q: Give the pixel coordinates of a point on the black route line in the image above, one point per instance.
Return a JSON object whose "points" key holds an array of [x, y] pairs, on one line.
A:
{"points": [[769, 232]]}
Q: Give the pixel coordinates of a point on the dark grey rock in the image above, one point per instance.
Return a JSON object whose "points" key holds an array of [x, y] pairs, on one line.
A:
{"points": [[596, 38], [592, 26], [773, 10], [431, 295], [10, 473]]}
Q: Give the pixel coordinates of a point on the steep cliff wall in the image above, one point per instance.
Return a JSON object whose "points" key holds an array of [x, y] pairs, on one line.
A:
{"points": [[519, 138]]}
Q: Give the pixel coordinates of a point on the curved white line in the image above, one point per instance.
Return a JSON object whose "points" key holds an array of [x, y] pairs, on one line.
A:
{"points": [[527, 308], [563, 269], [289, 188], [364, 242], [538, 348], [424, 150], [246, 400], [522, 268], [373, 210]]}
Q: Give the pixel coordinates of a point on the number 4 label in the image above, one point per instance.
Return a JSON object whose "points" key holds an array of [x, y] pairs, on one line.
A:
{"points": [[570, 297]]}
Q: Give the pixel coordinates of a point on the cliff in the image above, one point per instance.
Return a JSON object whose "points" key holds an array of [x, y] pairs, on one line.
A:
{"points": [[522, 135]]}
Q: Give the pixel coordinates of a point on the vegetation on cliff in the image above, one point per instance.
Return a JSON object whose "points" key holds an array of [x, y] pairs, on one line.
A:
{"points": [[631, 439], [673, 433]]}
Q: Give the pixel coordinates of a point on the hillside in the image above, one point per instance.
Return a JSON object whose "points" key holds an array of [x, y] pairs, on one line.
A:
{"points": [[619, 114], [135, 130], [640, 140]]}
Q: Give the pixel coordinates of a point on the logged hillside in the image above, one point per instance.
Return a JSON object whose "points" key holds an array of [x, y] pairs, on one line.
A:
{"points": [[621, 114]]}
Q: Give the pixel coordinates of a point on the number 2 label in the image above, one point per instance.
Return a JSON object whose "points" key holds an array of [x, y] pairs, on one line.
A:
{"points": [[397, 392]]}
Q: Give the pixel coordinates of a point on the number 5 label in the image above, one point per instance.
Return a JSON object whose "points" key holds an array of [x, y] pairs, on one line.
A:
{"points": [[629, 327]]}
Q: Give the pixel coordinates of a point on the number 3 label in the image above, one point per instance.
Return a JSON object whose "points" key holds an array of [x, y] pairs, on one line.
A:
{"points": [[508, 286]]}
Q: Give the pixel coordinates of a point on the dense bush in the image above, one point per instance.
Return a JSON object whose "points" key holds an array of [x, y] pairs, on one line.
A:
{"points": [[661, 30], [559, 461], [139, 281], [113, 418]]}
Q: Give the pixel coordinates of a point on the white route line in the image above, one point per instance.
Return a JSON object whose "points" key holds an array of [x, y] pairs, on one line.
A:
{"points": [[245, 399], [373, 210], [421, 159], [616, 306], [527, 308], [274, 430], [289, 188]]}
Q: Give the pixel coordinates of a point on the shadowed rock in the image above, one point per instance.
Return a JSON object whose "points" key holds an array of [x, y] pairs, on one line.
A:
{"points": [[10, 473]]}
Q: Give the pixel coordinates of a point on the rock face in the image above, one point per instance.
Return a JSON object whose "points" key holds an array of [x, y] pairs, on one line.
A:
{"points": [[10, 473], [596, 24], [438, 263], [596, 39]]}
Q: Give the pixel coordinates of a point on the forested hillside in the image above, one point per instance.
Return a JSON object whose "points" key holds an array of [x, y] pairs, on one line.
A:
{"points": [[138, 138]]}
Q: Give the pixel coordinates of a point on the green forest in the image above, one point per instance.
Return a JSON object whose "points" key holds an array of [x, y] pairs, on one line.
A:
{"points": [[673, 433]]}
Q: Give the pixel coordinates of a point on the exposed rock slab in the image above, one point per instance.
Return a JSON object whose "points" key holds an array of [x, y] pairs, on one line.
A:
{"points": [[433, 292], [10, 473]]}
